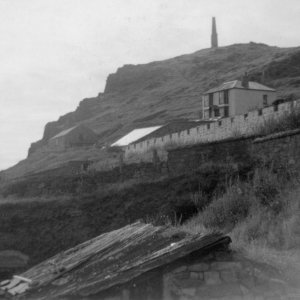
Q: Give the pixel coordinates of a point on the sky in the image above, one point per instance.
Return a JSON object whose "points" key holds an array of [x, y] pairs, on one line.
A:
{"points": [[54, 53]]}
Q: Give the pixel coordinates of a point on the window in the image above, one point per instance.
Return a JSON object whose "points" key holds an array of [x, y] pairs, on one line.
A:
{"points": [[260, 112], [226, 111], [211, 99], [188, 131], [216, 112], [220, 123], [265, 100], [206, 102], [210, 113], [221, 98], [208, 126], [226, 96]]}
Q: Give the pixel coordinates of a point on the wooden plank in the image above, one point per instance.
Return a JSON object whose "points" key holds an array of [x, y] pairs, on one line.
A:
{"points": [[117, 257]]}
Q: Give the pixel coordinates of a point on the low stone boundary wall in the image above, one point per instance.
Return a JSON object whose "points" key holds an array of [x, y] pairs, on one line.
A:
{"points": [[280, 147], [241, 125]]}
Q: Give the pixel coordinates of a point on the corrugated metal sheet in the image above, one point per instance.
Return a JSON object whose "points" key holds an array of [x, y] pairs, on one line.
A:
{"points": [[135, 135], [111, 259]]}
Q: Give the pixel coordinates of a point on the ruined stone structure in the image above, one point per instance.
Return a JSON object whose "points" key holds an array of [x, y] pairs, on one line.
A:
{"points": [[214, 35], [76, 136]]}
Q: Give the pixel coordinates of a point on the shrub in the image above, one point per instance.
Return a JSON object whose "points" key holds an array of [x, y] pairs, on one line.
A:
{"points": [[266, 187], [228, 210], [278, 230]]}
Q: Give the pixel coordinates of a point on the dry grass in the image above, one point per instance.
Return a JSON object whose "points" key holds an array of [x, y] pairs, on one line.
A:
{"points": [[46, 160], [11, 199], [286, 261], [288, 122], [262, 217]]}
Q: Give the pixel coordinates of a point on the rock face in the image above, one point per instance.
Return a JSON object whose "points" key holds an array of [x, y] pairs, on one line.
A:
{"points": [[154, 93], [87, 109]]}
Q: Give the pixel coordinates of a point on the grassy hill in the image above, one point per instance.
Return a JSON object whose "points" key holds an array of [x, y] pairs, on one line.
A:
{"points": [[154, 93]]}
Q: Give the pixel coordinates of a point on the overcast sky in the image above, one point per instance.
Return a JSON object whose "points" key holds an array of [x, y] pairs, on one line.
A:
{"points": [[53, 53]]}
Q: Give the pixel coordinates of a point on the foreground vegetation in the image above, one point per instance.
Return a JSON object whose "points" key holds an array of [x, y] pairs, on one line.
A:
{"points": [[253, 198], [262, 216]]}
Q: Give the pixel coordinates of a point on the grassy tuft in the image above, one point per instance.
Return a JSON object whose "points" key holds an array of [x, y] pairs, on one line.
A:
{"points": [[262, 216], [288, 122]]}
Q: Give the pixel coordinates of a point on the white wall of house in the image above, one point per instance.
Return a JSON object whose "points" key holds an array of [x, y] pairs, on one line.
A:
{"points": [[242, 100]]}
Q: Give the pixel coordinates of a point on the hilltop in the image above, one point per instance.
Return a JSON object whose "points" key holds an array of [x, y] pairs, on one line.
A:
{"points": [[154, 93]]}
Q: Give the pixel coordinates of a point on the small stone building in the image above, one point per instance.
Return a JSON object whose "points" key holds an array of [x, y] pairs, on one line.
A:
{"points": [[76, 136], [142, 261], [236, 98]]}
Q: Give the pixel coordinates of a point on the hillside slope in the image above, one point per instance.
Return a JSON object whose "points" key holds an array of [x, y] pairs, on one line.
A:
{"points": [[153, 93]]}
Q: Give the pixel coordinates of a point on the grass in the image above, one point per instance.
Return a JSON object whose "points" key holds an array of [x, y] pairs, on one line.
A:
{"points": [[44, 225], [12, 199], [47, 160], [284, 123], [262, 216]]}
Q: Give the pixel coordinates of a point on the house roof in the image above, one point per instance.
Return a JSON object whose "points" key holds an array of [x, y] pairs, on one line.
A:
{"points": [[237, 84], [64, 132], [111, 259], [134, 135]]}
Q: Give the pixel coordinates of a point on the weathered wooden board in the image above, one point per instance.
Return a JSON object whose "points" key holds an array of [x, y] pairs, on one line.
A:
{"points": [[111, 259]]}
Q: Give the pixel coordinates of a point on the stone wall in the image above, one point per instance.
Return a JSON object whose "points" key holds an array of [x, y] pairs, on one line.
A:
{"points": [[283, 147], [221, 274], [191, 157], [240, 125]]}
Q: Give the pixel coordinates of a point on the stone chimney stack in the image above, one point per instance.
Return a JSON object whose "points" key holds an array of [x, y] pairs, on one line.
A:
{"points": [[214, 35], [245, 81]]}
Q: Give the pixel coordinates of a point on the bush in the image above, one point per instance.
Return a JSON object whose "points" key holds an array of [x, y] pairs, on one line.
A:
{"points": [[278, 230], [266, 187], [228, 210]]}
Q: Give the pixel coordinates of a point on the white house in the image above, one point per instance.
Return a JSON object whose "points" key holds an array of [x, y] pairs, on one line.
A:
{"points": [[236, 98]]}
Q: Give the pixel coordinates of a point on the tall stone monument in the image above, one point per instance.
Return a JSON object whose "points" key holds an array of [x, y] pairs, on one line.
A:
{"points": [[214, 35]]}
